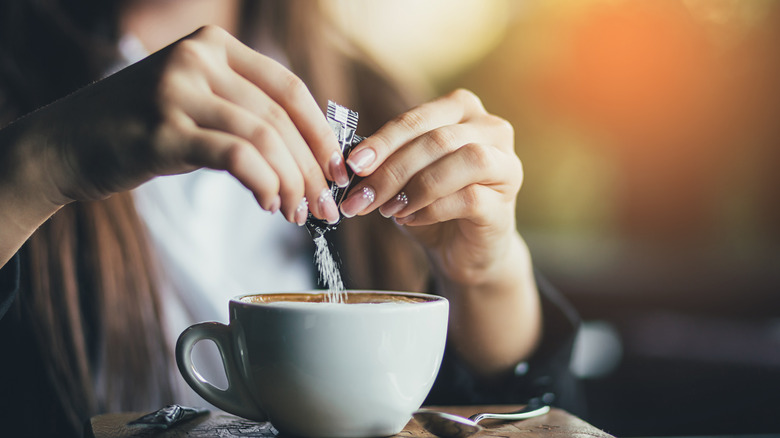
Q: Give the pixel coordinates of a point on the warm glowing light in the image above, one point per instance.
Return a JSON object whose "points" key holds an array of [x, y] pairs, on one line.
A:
{"points": [[428, 40]]}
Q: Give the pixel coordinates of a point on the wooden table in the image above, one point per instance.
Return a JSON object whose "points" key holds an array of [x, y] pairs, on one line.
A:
{"points": [[557, 423]]}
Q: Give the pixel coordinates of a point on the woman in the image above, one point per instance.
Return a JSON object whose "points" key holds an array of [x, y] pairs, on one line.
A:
{"points": [[89, 326]]}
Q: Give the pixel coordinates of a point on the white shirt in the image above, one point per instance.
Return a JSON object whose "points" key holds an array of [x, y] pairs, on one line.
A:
{"points": [[213, 242]]}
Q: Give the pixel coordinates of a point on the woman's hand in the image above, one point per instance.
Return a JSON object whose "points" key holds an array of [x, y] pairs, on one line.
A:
{"points": [[204, 101], [447, 171]]}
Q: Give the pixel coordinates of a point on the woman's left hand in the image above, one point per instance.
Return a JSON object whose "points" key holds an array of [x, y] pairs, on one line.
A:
{"points": [[448, 171]]}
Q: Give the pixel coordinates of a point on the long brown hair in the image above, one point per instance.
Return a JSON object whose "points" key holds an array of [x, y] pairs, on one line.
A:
{"points": [[88, 301], [89, 297]]}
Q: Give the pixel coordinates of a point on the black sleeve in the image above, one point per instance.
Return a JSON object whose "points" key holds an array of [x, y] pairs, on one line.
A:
{"points": [[546, 374], [9, 283]]}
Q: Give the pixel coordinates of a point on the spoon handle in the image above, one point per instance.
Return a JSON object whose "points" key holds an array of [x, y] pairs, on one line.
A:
{"points": [[529, 411]]}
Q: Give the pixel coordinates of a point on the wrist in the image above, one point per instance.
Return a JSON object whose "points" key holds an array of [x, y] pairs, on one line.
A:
{"points": [[501, 268], [27, 194], [496, 323], [36, 165]]}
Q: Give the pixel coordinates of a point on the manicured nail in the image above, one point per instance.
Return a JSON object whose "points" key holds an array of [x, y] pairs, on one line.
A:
{"points": [[361, 159], [328, 206], [275, 205], [404, 220], [394, 205], [302, 212], [338, 170], [357, 201]]}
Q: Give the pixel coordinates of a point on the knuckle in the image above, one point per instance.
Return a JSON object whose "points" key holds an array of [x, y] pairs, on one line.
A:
{"points": [[261, 134], [427, 182], [211, 32], [442, 138], [518, 172], [412, 121], [504, 126], [504, 132], [233, 155], [294, 87], [394, 175], [191, 53], [189, 47], [468, 98], [176, 121], [275, 113], [478, 155], [471, 200]]}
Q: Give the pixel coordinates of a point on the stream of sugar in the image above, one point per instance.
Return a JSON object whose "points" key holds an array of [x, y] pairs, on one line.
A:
{"points": [[329, 271]]}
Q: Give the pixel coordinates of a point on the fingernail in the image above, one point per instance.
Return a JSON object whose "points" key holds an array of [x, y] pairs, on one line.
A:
{"points": [[394, 205], [275, 205], [302, 212], [338, 170], [361, 159], [328, 207], [357, 201], [404, 220]]}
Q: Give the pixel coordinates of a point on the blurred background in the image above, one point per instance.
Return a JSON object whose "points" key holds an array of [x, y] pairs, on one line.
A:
{"points": [[648, 130]]}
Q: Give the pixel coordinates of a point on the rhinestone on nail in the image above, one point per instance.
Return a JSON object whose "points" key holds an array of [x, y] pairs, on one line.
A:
{"points": [[324, 195], [368, 194], [401, 197], [304, 205]]}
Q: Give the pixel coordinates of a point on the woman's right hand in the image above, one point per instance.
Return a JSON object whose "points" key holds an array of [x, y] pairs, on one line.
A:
{"points": [[205, 101]]}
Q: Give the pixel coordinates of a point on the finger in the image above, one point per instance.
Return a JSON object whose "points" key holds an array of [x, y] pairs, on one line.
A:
{"points": [[476, 203], [236, 89], [473, 164], [450, 109], [398, 169], [219, 150], [291, 93], [216, 113], [250, 97]]}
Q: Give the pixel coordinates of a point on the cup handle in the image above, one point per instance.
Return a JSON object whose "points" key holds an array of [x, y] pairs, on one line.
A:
{"points": [[236, 398]]}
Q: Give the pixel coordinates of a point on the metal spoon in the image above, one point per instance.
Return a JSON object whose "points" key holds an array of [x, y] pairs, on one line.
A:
{"points": [[446, 425]]}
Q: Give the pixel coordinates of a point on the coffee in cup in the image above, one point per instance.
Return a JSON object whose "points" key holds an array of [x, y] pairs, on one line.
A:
{"points": [[318, 369]]}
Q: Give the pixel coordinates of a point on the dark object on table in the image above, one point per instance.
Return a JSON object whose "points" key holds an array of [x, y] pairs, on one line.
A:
{"points": [[168, 417]]}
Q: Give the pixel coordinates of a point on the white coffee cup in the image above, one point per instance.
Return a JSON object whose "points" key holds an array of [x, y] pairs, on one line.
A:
{"points": [[318, 369]]}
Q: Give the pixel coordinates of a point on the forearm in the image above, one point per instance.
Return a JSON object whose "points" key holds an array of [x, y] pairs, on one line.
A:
{"points": [[496, 323], [25, 203]]}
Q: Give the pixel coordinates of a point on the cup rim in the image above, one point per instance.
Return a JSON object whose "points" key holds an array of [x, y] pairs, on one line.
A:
{"points": [[430, 299]]}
